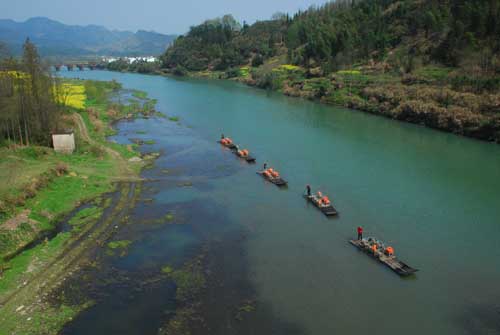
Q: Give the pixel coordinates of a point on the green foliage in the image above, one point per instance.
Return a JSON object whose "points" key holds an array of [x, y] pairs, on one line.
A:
{"points": [[139, 66]]}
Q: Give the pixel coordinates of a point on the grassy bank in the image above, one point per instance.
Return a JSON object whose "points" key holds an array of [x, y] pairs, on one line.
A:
{"points": [[39, 187]]}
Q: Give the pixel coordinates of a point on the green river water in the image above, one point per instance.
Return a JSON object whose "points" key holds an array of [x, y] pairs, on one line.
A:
{"points": [[434, 197]]}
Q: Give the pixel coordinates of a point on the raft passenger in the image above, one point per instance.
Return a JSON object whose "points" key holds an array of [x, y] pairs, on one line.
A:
{"points": [[360, 233]]}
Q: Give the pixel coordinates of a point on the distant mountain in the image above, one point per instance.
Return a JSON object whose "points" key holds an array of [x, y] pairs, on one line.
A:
{"points": [[57, 39]]}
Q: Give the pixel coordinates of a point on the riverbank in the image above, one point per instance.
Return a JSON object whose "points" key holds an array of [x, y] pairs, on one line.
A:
{"points": [[42, 234], [436, 97]]}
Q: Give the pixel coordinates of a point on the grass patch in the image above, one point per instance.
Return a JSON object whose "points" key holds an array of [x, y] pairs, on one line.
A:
{"points": [[437, 73], [64, 194], [123, 244], [84, 217], [174, 118]]}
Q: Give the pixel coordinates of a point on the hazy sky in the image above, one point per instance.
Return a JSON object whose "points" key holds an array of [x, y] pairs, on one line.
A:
{"points": [[165, 16]]}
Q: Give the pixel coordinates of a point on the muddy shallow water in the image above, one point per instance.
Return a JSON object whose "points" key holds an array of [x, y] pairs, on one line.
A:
{"points": [[273, 264]]}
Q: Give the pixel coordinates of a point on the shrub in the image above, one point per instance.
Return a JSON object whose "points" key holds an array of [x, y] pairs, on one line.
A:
{"points": [[97, 151], [179, 71], [30, 190], [3, 208], [257, 61], [61, 169], [34, 152]]}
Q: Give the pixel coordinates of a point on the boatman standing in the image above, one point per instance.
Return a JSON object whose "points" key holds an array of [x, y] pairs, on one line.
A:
{"points": [[222, 136], [308, 189], [360, 233]]}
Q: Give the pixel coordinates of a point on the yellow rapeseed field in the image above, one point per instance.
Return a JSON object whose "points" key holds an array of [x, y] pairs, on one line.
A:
{"points": [[73, 95]]}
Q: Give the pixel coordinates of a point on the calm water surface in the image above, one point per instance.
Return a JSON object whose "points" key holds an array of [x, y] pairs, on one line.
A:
{"points": [[435, 197]]}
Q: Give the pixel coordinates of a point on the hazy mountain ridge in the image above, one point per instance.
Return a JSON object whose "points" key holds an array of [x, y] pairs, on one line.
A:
{"points": [[55, 38]]}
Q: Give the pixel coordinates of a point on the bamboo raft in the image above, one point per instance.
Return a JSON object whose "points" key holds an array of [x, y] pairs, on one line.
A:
{"points": [[231, 146], [392, 262], [248, 158], [327, 210], [276, 181]]}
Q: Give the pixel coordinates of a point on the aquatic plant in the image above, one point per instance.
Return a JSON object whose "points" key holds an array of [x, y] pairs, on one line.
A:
{"points": [[190, 280], [167, 269], [247, 307]]}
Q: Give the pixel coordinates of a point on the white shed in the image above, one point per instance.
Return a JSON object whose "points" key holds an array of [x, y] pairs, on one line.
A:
{"points": [[64, 142]]}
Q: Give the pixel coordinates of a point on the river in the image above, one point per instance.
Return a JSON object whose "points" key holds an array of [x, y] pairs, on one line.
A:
{"points": [[435, 197]]}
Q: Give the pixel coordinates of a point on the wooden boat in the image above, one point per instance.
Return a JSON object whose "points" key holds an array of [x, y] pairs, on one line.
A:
{"points": [[248, 158], [328, 210], [276, 181], [391, 261], [231, 146]]}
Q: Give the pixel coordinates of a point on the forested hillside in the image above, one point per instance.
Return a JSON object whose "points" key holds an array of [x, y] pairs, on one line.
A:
{"points": [[344, 32], [435, 63]]}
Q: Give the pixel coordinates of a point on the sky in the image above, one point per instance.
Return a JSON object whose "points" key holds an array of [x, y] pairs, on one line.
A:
{"points": [[164, 16]]}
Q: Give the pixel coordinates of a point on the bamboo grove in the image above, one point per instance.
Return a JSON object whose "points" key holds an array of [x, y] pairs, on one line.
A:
{"points": [[29, 105]]}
